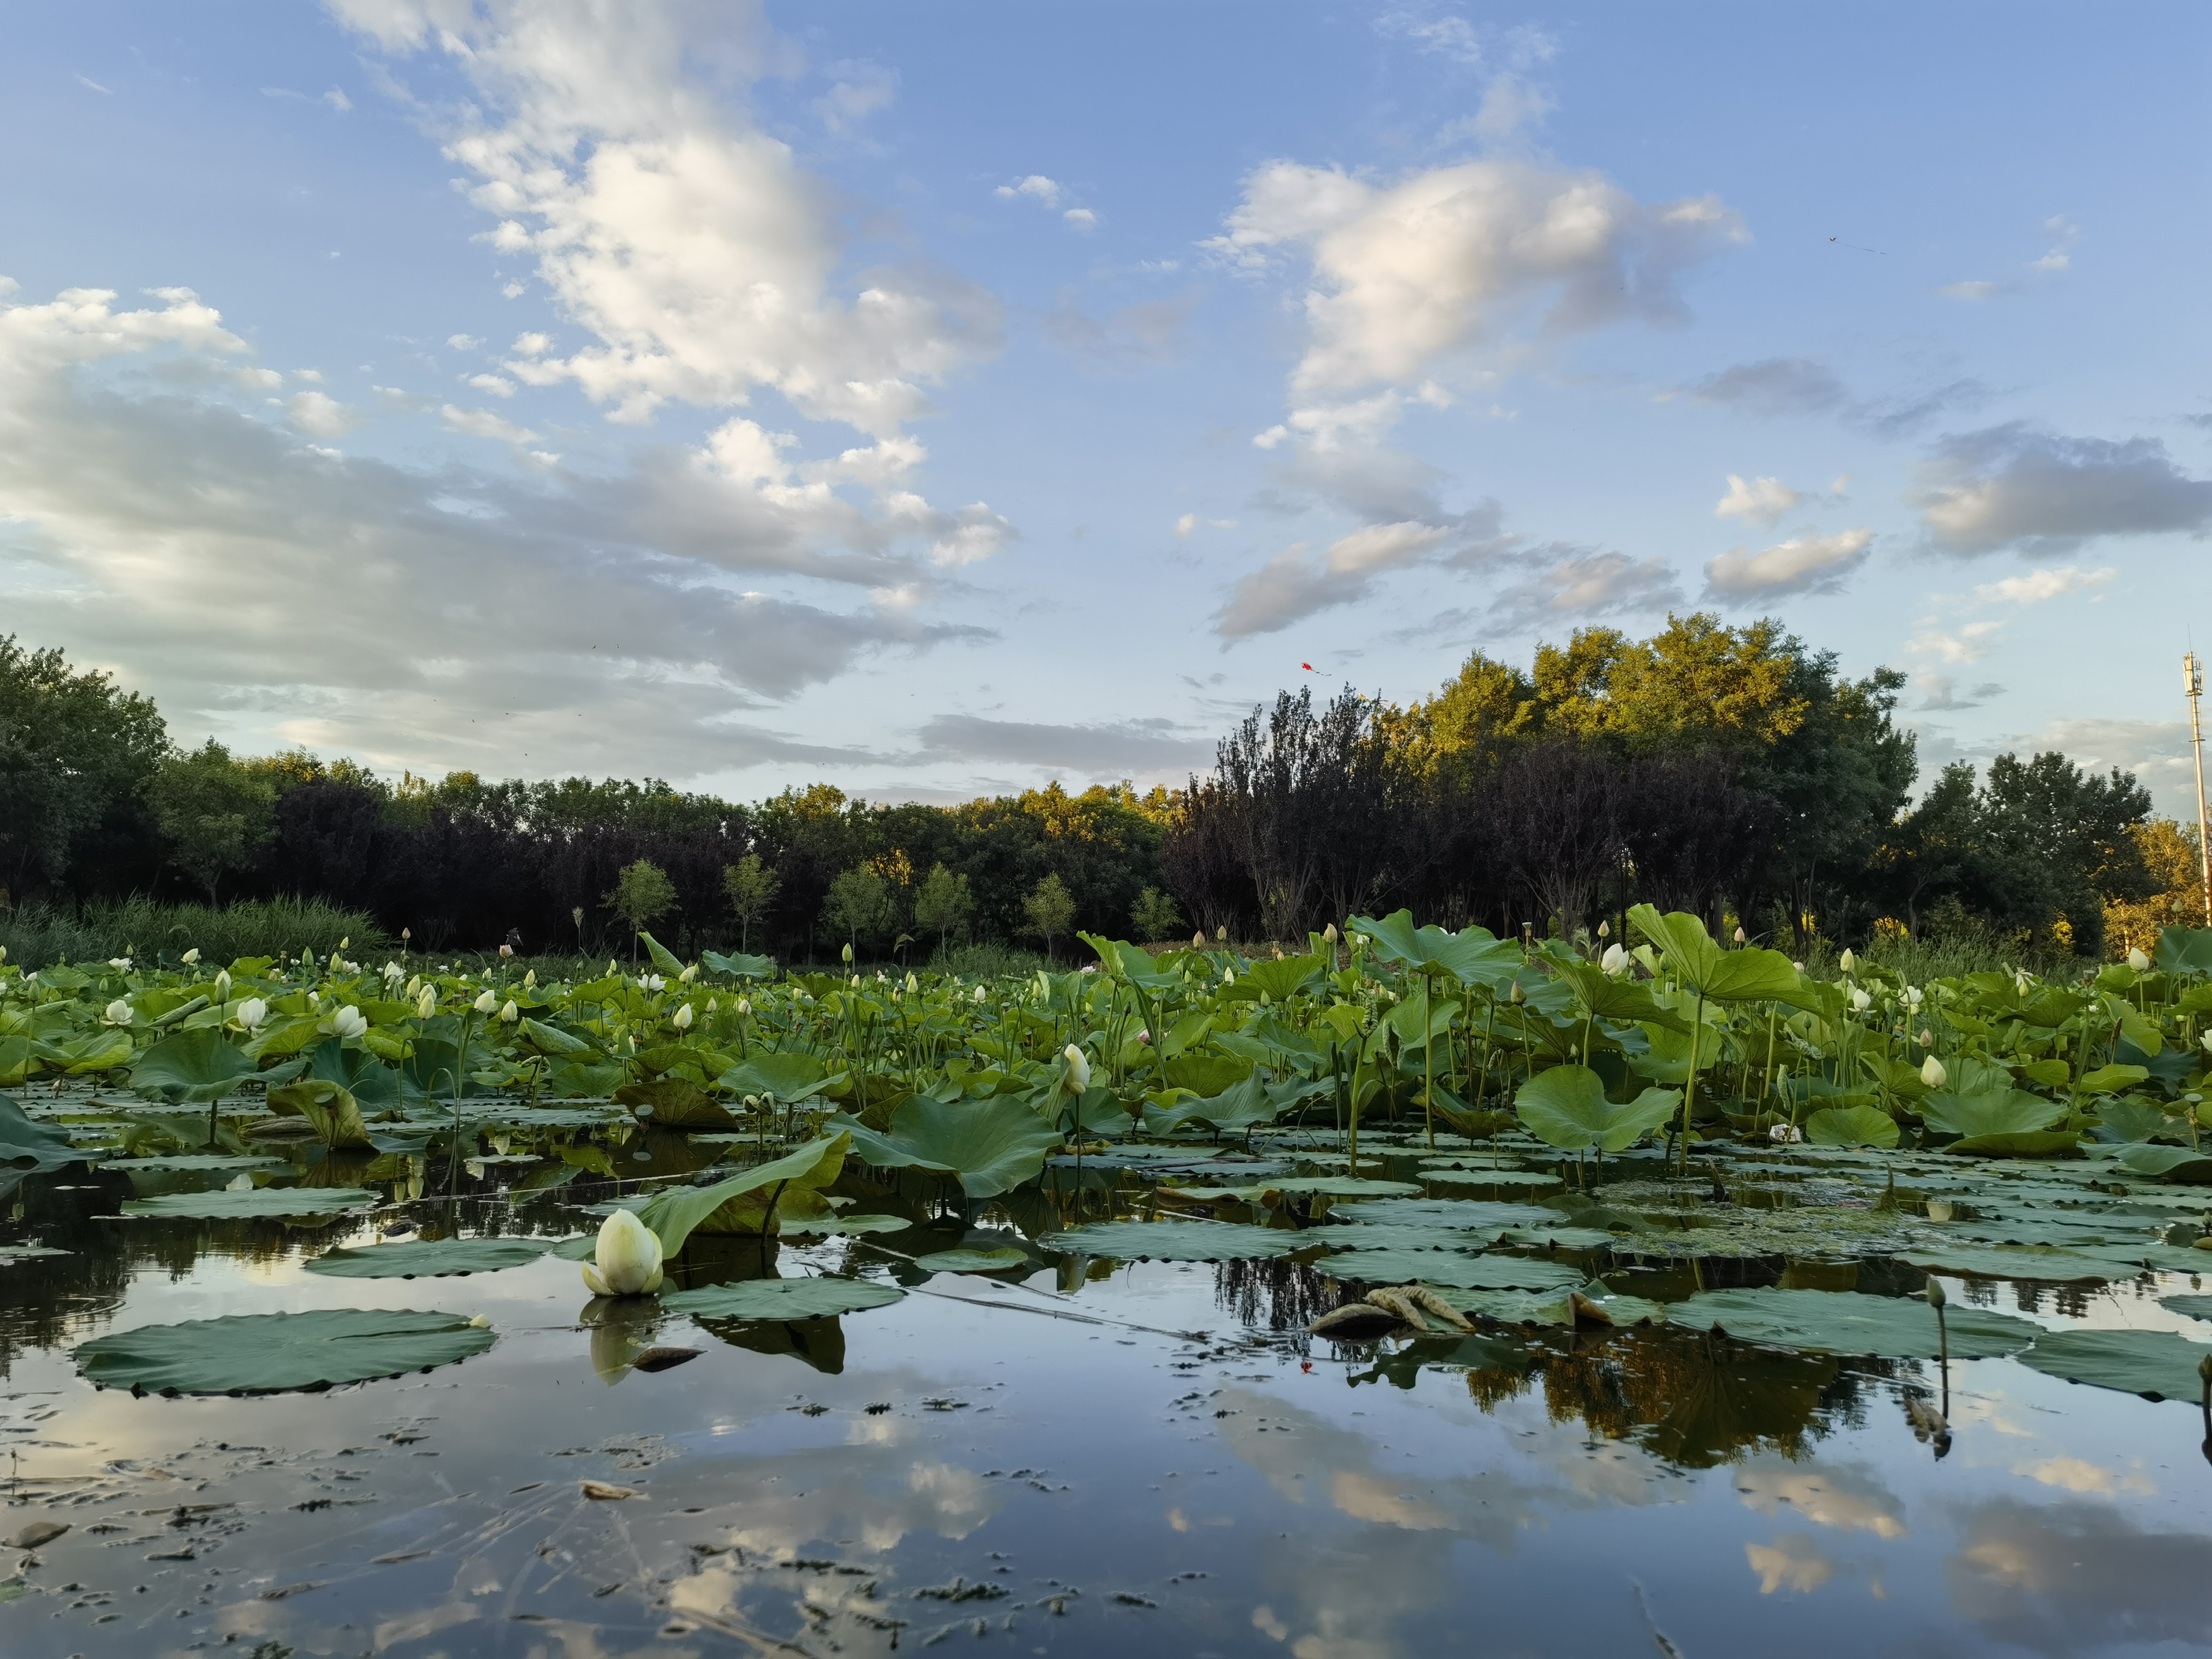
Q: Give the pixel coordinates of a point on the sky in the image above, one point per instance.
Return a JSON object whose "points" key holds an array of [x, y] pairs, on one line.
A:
{"points": [[941, 399]]}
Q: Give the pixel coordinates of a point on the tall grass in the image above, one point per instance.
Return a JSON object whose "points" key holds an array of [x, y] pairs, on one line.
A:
{"points": [[37, 937]]}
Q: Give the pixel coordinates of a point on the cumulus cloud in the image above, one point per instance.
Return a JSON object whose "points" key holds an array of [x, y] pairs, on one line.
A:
{"points": [[320, 414], [1774, 386], [1403, 274], [1973, 292], [1080, 219], [2013, 486], [1111, 750], [1036, 187], [1762, 501], [1968, 644], [1804, 564], [483, 423], [2037, 586], [1574, 585], [1297, 583]]}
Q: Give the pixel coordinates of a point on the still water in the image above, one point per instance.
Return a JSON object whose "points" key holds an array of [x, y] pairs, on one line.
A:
{"points": [[1154, 1457]]}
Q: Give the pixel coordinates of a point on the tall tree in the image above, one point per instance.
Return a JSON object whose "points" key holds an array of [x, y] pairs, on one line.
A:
{"points": [[215, 813], [75, 752]]}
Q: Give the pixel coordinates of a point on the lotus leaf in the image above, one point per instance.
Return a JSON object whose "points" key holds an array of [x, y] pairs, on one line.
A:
{"points": [[2178, 1164], [848, 1227], [2111, 1080], [740, 964], [972, 1261], [23, 1252], [1346, 1187], [1566, 1108], [744, 1203], [1851, 1126], [1240, 1106], [1178, 1241], [782, 1299], [1478, 1176], [2194, 1307], [192, 1067], [174, 1163], [265, 1354], [2184, 950], [1558, 1307], [1850, 1323], [1456, 1270], [675, 1104], [429, 1258], [333, 1111], [992, 1145], [2161, 1364], [363, 1076], [21, 1139], [787, 1078], [255, 1203], [1475, 957], [1994, 1112], [1466, 1214], [1744, 974], [2134, 1119], [2028, 1262]]}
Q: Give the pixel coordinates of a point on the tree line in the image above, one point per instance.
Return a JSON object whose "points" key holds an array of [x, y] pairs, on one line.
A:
{"points": [[1729, 771]]}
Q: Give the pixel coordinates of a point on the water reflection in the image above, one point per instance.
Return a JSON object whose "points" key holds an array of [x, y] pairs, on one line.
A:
{"points": [[2071, 1577]]}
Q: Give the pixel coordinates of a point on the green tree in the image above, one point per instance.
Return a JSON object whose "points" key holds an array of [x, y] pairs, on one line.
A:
{"points": [[1049, 910], [215, 813], [859, 906], [2056, 846], [752, 887], [1155, 915], [75, 751], [944, 902], [642, 894]]}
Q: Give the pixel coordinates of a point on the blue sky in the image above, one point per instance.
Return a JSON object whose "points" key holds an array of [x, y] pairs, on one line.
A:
{"points": [[940, 400]]}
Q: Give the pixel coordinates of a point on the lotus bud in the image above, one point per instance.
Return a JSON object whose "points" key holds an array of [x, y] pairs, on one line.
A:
{"points": [[530, 980], [1605, 930], [191, 957], [1078, 1070], [745, 1007], [1329, 933], [222, 985], [1935, 1292], [118, 1013], [1614, 960], [506, 950], [508, 1013], [425, 1003], [682, 1021], [1860, 1000], [485, 1003], [1932, 1073], [1221, 934], [1847, 961], [1927, 1038], [344, 942], [1739, 935], [1798, 967], [688, 974], [251, 1012], [979, 993], [1519, 995], [847, 954], [2137, 960], [406, 933], [1198, 941], [348, 1023], [627, 1259], [1229, 976], [856, 979], [913, 984], [3, 953]]}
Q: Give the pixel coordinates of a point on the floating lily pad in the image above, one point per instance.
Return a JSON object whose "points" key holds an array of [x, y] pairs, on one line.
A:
{"points": [[256, 1202], [2161, 1364], [1455, 1269], [1346, 1187], [20, 1252], [848, 1227], [429, 1258], [2195, 1307], [1477, 1176], [782, 1298], [1557, 1307], [175, 1162], [1178, 1241], [267, 1353], [1998, 1261], [1851, 1323], [1393, 1236], [1460, 1214], [971, 1261]]}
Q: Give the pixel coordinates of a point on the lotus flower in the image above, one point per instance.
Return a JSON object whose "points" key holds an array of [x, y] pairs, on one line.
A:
{"points": [[121, 964], [979, 993], [711, 1004], [1198, 941], [1786, 1134], [393, 971], [1229, 976], [682, 1021], [1932, 1073], [1078, 1069], [251, 1012], [425, 1003], [348, 1023], [1614, 961], [627, 1261], [508, 1013], [1847, 961], [190, 958], [1860, 1000], [1914, 996], [1329, 933], [1739, 935], [653, 982], [688, 974], [913, 984], [745, 1007], [222, 985], [530, 980], [2137, 960], [847, 954], [487, 1002], [118, 1013]]}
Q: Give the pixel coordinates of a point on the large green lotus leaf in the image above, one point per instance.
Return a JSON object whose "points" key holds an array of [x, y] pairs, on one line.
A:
{"points": [[1556, 1307], [663, 958], [359, 1072], [1851, 1126], [1744, 974], [1178, 1241], [429, 1258], [100, 1051], [1244, 1104], [175, 1162], [972, 1261], [1444, 1214], [994, 1145], [1400, 1236], [848, 1226], [782, 1298], [676, 1104], [2184, 950], [554, 1042], [1477, 1176], [192, 1067], [1994, 1112], [1132, 963], [1456, 1269], [265, 1354], [2179, 1163], [1667, 1055], [21, 1139], [2032, 1143], [1281, 978], [333, 1111], [1567, 1107], [1476, 956], [1998, 1261], [740, 1204], [253, 1203], [740, 964], [1623, 1001], [786, 1077], [2160, 1364], [2134, 1119], [1850, 1323], [2111, 1080], [1206, 1074], [1346, 1186], [2195, 1307]]}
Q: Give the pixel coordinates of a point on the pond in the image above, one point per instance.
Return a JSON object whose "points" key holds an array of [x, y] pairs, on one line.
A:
{"points": [[1072, 1453]]}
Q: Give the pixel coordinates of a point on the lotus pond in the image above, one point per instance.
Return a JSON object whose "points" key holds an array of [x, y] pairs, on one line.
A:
{"points": [[1668, 1300]]}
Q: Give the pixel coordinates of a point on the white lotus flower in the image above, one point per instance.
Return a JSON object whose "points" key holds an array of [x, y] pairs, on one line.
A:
{"points": [[688, 974], [190, 958], [1932, 1073], [711, 1004], [506, 950], [118, 1013], [1614, 961], [530, 980], [121, 964], [1229, 976], [1078, 1069], [508, 1013], [393, 971], [745, 1007], [682, 1020], [2137, 960], [425, 1003], [1860, 1000], [979, 993], [1847, 961], [913, 984], [251, 1012], [1914, 996], [1788, 1134], [487, 1002], [653, 982], [627, 1259], [348, 1023]]}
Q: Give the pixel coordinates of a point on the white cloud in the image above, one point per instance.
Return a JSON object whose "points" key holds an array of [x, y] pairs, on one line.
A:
{"points": [[1804, 564], [2040, 585], [1185, 524], [2013, 486], [1973, 292], [483, 423], [86, 80], [1578, 585], [1037, 187], [319, 416], [2064, 234], [857, 91], [1296, 584], [1969, 644], [1408, 273], [1762, 501], [1080, 219], [497, 385], [464, 342], [338, 100]]}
